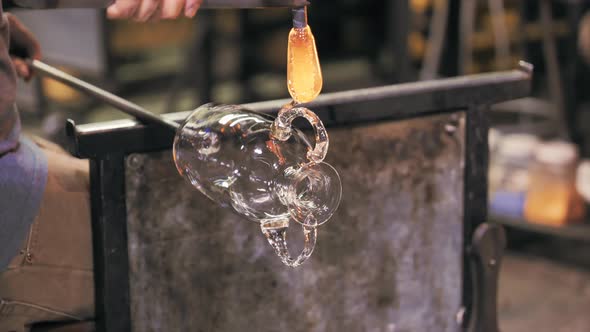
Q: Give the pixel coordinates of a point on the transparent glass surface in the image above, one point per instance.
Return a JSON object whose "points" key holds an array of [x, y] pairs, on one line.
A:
{"points": [[262, 168]]}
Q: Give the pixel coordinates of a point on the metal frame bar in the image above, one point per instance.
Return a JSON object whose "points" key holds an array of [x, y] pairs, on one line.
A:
{"points": [[402, 101], [475, 192], [107, 144], [109, 237]]}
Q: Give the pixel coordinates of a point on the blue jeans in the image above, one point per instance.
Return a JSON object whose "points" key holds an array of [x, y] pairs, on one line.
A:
{"points": [[51, 279]]}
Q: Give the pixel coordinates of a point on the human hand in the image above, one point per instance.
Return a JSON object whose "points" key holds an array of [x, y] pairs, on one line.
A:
{"points": [[143, 10], [23, 46]]}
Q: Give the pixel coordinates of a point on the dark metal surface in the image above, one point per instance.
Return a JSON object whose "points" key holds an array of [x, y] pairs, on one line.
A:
{"points": [[365, 105], [487, 246], [109, 237], [53, 4], [389, 260], [475, 187], [108, 143]]}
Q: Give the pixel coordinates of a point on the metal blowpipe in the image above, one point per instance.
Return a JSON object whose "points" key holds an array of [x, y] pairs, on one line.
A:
{"points": [[207, 4], [121, 104], [253, 3]]}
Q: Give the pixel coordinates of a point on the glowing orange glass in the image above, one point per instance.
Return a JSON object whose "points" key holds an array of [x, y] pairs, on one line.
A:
{"points": [[304, 75]]}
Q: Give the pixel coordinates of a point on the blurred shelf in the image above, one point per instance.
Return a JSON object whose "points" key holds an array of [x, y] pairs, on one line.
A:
{"points": [[579, 232], [529, 106]]}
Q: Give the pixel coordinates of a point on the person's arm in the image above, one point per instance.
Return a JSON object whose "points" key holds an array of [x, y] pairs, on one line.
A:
{"points": [[9, 122], [23, 166], [16, 43]]}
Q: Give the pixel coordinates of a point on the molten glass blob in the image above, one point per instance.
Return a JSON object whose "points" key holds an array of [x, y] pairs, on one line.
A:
{"points": [[262, 168], [304, 75]]}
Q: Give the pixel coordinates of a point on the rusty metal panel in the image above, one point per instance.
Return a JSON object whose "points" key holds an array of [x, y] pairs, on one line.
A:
{"points": [[389, 260]]}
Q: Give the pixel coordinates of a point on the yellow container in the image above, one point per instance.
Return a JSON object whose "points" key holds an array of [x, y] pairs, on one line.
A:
{"points": [[552, 198]]}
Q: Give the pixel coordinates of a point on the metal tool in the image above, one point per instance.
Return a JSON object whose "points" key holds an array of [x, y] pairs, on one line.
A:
{"points": [[299, 17], [489, 242], [206, 4], [217, 4], [121, 104], [52, 4]]}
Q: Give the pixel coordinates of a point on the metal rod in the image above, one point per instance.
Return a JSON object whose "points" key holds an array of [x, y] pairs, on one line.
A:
{"points": [[207, 4], [299, 17], [54, 4], [121, 104], [218, 4]]}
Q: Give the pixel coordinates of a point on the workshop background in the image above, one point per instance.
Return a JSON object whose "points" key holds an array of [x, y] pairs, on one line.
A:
{"points": [[233, 56]]}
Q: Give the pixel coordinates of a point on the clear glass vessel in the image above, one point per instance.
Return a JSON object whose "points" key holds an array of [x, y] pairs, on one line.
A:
{"points": [[262, 168]]}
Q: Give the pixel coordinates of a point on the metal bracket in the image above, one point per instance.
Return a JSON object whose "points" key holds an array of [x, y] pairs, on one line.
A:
{"points": [[488, 244]]}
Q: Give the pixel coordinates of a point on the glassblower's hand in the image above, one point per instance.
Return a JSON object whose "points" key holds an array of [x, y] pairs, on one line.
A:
{"points": [[23, 46], [153, 10]]}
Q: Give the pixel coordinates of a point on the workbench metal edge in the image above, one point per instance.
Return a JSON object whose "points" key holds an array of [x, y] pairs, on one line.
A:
{"points": [[393, 102]]}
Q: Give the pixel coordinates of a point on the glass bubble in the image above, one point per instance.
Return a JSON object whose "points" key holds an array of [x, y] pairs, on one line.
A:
{"points": [[262, 168]]}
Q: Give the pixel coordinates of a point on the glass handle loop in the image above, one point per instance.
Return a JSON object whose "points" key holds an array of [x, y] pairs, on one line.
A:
{"points": [[282, 130], [277, 237]]}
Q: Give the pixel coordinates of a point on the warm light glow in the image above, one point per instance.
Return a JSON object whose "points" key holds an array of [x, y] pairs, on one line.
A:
{"points": [[304, 75]]}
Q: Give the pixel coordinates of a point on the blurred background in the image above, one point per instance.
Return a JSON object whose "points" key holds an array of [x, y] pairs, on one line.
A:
{"points": [[539, 175]]}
